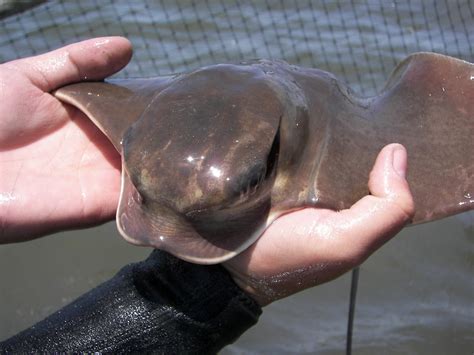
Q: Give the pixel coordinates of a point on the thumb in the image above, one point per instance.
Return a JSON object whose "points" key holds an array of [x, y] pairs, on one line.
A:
{"points": [[376, 218], [93, 59]]}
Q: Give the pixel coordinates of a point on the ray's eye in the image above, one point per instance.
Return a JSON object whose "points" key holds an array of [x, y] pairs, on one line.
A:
{"points": [[249, 182], [255, 177], [272, 159], [262, 173]]}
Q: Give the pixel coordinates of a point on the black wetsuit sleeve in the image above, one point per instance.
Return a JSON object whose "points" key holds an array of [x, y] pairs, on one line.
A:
{"points": [[161, 305]]}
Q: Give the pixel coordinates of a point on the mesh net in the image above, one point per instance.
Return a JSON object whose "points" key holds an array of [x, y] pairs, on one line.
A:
{"points": [[359, 41]]}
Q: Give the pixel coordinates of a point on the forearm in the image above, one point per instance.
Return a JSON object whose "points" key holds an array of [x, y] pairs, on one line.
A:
{"points": [[161, 304]]}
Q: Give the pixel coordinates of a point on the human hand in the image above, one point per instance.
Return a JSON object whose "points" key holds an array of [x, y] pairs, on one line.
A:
{"points": [[312, 246], [58, 171]]}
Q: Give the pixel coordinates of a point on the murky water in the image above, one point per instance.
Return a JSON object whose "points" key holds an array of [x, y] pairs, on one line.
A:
{"points": [[416, 295]]}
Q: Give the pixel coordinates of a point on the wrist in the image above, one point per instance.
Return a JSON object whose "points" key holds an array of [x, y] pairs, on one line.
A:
{"points": [[252, 287], [253, 293]]}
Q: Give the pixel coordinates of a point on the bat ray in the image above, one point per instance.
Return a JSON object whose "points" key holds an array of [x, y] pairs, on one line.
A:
{"points": [[212, 157]]}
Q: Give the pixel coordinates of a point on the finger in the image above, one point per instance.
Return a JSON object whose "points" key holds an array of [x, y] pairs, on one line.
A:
{"points": [[376, 218], [92, 59]]}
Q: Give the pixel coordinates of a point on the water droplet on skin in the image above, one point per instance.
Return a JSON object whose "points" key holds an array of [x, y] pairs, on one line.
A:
{"points": [[101, 43], [52, 64], [216, 172], [469, 197], [6, 198]]}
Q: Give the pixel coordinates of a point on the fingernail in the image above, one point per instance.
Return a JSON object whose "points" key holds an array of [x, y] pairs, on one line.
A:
{"points": [[399, 161]]}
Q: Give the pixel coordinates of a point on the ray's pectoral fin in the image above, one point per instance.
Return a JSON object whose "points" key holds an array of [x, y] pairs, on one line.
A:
{"points": [[428, 106], [113, 106]]}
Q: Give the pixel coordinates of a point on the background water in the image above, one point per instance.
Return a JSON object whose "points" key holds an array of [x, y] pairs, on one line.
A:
{"points": [[416, 294]]}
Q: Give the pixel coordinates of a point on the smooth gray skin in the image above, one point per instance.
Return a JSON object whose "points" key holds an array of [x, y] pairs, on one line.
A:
{"points": [[212, 157]]}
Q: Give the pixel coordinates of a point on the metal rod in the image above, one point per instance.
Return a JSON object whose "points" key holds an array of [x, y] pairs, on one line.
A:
{"points": [[352, 303]]}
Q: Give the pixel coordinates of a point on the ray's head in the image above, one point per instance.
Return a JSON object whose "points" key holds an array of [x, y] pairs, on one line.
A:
{"points": [[200, 165]]}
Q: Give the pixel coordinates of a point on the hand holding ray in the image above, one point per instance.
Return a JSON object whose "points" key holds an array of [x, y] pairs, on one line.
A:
{"points": [[57, 169]]}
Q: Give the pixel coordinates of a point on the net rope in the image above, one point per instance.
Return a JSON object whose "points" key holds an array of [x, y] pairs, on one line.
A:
{"points": [[359, 41]]}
